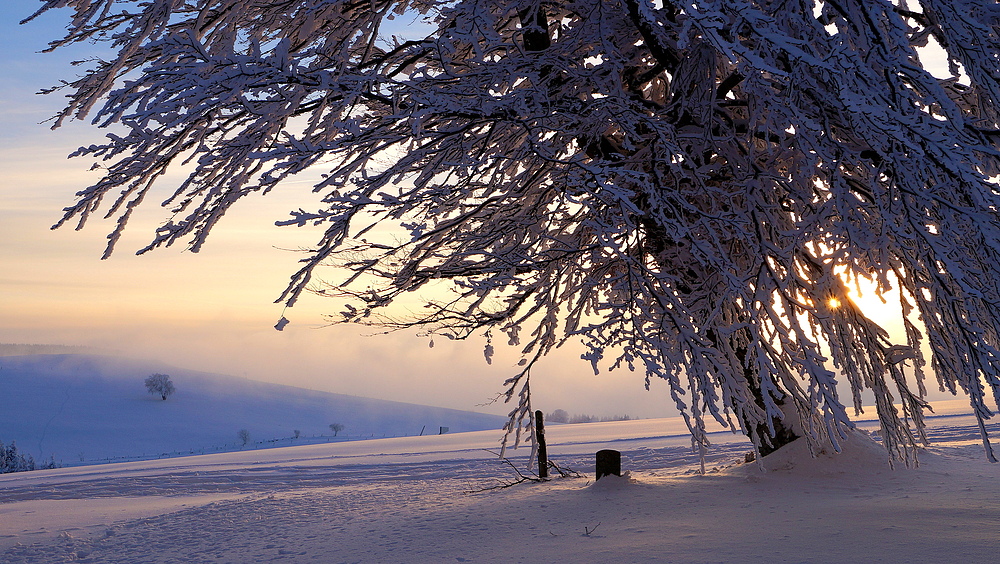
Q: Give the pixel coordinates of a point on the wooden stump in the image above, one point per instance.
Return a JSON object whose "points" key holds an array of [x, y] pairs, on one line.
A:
{"points": [[609, 462]]}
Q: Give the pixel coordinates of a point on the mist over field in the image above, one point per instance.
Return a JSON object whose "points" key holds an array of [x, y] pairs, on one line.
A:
{"points": [[88, 409]]}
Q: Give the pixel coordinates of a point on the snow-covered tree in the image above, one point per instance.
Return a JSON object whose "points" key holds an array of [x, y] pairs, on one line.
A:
{"points": [[159, 385], [336, 428], [11, 460], [558, 416], [690, 188]]}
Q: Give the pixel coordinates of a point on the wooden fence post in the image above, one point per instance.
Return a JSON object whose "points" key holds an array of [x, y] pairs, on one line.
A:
{"points": [[543, 456]]}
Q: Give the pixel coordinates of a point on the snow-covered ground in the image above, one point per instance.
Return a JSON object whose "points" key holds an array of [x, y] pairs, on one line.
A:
{"points": [[87, 409], [424, 499]]}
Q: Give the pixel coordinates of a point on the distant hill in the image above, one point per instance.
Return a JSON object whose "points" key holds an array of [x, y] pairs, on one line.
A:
{"points": [[17, 349], [83, 409]]}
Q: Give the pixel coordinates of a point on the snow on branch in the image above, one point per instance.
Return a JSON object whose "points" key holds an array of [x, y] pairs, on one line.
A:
{"points": [[685, 186]]}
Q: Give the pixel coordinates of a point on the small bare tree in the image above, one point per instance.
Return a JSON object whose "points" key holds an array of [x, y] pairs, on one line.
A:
{"points": [[244, 436], [336, 428], [160, 384]]}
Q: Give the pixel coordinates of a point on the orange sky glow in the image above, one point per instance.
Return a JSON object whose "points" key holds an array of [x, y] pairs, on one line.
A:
{"points": [[213, 311]]}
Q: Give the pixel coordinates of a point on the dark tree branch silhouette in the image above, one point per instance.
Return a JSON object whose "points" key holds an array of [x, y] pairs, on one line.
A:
{"points": [[688, 187]]}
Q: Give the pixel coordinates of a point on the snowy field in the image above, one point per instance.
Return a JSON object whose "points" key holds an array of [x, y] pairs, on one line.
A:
{"points": [[418, 499], [87, 409]]}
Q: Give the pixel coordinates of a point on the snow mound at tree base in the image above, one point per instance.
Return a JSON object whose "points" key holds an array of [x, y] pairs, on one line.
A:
{"points": [[612, 482], [859, 455]]}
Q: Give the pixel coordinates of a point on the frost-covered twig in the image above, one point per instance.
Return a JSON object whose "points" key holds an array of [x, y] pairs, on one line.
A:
{"points": [[690, 188]]}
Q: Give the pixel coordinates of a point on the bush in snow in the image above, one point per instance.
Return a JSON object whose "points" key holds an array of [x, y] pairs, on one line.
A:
{"points": [[159, 384], [13, 461]]}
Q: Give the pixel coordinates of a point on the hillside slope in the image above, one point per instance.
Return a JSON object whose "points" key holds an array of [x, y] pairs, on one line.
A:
{"points": [[87, 408]]}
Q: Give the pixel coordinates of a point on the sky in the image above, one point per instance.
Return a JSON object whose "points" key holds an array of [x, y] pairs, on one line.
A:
{"points": [[214, 311]]}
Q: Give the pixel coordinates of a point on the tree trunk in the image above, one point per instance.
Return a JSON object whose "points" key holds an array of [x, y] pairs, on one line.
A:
{"points": [[783, 433]]}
